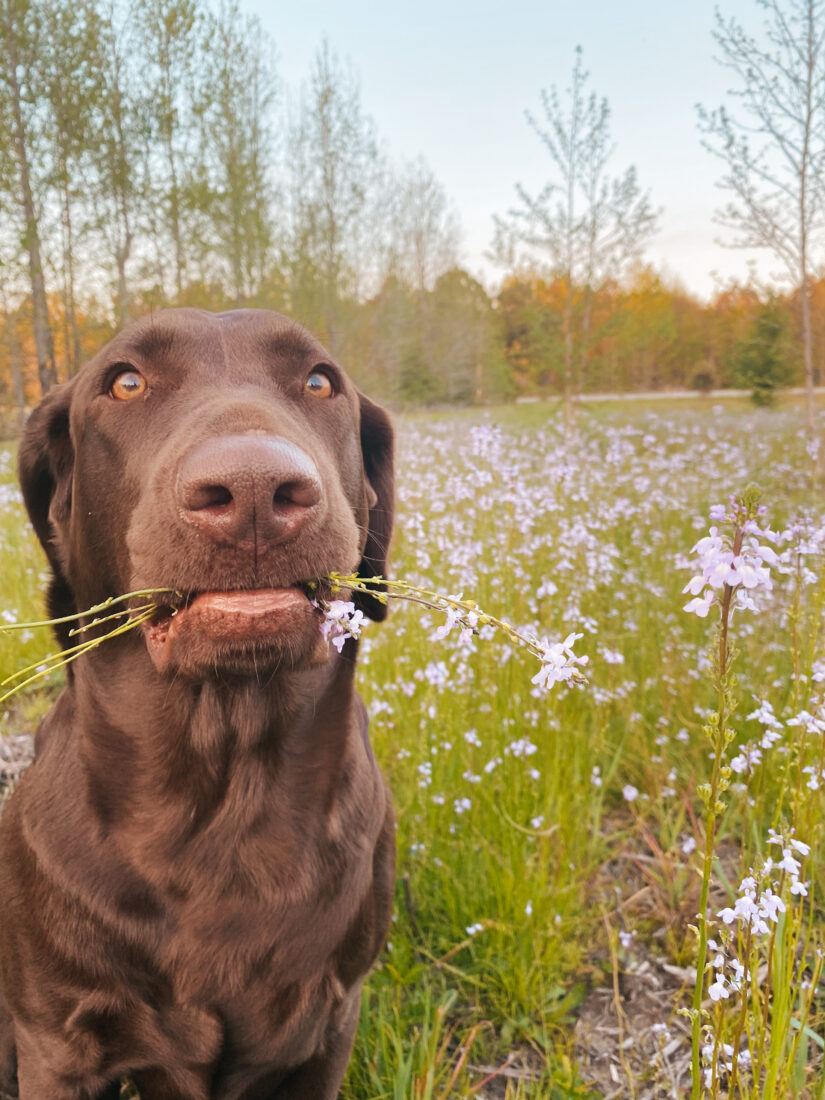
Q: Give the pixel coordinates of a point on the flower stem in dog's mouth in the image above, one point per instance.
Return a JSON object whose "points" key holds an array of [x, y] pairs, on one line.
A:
{"points": [[558, 662], [124, 618], [339, 621], [104, 606]]}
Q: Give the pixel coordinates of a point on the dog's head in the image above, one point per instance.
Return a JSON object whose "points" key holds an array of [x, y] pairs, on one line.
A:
{"points": [[226, 457]]}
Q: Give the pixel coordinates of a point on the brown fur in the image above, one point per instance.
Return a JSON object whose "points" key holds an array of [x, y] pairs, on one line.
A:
{"points": [[196, 871]]}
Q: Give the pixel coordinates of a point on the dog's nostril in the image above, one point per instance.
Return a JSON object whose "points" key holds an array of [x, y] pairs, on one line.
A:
{"points": [[208, 496], [303, 493]]}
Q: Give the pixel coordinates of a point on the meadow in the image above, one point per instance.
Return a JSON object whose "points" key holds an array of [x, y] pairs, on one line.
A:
{"points": [[554, 847]]}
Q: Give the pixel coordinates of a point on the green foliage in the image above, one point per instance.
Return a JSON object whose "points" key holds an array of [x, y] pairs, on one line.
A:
{"points": [[702, 381], [417, 384], [764, 356], [534, 344], [644, 334], [442, 345]]}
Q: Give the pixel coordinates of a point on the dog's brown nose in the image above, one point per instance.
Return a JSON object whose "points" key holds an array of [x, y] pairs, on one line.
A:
{"points": [[248, 488]]}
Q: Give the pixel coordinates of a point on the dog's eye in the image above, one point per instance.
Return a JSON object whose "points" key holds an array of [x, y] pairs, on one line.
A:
{"points": [[128, 385], [318, 384]]}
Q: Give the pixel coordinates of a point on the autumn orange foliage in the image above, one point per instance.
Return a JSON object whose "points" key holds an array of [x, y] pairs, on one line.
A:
{"points": [[644, 334]]}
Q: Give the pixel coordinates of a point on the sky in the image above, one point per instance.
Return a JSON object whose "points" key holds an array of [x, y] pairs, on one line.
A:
{"points": [[451, 81]]}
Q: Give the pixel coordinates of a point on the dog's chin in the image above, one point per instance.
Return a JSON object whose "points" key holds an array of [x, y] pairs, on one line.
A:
{"points": [[242, 633]]}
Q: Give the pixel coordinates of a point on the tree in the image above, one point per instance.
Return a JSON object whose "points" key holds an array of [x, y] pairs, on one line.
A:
{"points": [[422, 229], [169, 40], [119, 187], [395, 338], [67, 86], [333, 171], [15, 356], [17, 27], [644, 333], [773, 149], [585, 225], [467, 341], [763, 355], [236, 116], [530, 309], [9, 277], [416, 241]]}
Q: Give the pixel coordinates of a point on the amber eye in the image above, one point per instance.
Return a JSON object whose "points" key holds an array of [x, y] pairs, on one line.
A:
{"points": [[318, 384], [128, 385]]}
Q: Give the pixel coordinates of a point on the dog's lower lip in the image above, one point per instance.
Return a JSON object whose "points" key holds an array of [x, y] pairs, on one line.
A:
{"points": [[242, 617], [229, 599], [243, 601]]}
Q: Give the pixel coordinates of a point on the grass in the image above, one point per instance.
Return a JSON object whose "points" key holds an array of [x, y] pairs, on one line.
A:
{"points": [[533, 884]]}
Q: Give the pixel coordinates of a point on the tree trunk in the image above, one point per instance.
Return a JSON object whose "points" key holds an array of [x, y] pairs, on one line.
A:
{"points": [[67, 293], [121, 188], [121, 256], [584, 351], [73, 350], [567, 326], [174, 215], [15, 363], [44, 345], [807, 343]]}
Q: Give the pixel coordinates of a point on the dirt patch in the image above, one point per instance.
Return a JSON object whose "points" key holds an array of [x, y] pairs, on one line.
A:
{"points": [[629, 1040], [523, 1067], [16, 753]]}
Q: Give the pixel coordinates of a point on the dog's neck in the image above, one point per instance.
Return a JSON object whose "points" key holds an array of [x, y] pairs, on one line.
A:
{"points": [[191, 750]]}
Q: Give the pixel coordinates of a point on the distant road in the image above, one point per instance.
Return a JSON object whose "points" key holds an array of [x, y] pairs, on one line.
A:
{"points": [[664, 395]]}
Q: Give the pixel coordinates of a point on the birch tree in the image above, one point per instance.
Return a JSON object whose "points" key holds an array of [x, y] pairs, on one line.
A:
{"points": [[333, 169], [772, 144], [67, 87], [169, 42], [120, 135], [584, 225], [10, 255], [16, 81], [235, 111]]}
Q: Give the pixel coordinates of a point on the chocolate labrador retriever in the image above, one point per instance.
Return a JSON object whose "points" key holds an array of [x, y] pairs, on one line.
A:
{"points": [[196, 871]]}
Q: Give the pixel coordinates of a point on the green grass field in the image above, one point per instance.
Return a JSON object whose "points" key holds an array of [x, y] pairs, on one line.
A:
{"points": [[550, 845]]}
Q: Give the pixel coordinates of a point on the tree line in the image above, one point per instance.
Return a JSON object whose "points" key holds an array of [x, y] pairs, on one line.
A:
{"points": [[647, 335], [149, 156], [587, 227]]}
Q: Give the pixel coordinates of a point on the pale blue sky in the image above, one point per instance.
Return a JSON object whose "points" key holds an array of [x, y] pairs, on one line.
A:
{"points": [[451, 80]]}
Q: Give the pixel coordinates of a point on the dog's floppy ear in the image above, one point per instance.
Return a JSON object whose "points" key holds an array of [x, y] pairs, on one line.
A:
{"points": [[45, 465], [377, 451]]}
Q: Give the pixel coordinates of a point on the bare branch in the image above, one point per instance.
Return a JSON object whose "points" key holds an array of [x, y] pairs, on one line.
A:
{"points": [[777, 185]]}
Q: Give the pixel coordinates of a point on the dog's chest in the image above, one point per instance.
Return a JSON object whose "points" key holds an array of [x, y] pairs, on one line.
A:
{"points": [[267, 939]]}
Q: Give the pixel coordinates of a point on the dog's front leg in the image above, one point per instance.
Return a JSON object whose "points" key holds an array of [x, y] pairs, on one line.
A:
{"points": [[37, 1080], [157, 1084], [8, 1054], [321, 1076]]}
